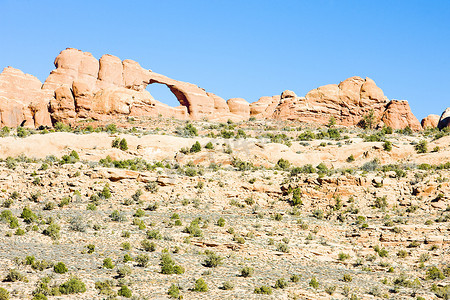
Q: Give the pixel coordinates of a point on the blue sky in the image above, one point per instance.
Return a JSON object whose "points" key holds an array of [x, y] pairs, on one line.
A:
{"points": [[246, 48]]}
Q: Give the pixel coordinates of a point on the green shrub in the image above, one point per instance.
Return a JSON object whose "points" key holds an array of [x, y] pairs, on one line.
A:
{"points": [[53, 231], [19, 231], [154, 234], [221, 222], [195, 148], [227, 286], [4, 294], [281, 283], [60, 268], [124, 291], [72, 286], [283, 164], [174, 291], [347, 278], [168, 265], [27, 215], [14, 275], [90, 248], [200, 285], [107, 263], [212, 260], [267, 290], [295, 278], [142, 260], [247, 272], [387, 146], [314, 283], [351, 158], [343, 256], [124, 271], [434, 273], [421, 147], [209, 146], [148, 246]]}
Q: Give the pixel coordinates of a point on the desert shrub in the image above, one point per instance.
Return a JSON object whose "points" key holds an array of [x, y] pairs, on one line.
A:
{"points": [[282, 247], [60, 268], [70, 158], [193, 229], [142, 260], [330, 289], [195, 148], [72, 286], [27, 215], [442, 292], [295, 278], [209, 146], [242, 165], [200, 285], [368, 120], [22, 132], [124, 271], [266, 290], [105, 193], [387, 146], [107, 263], [221, 222], [247, 272], [188, 131], [371, 165], [77, 223], [118, 216], [124, 291], [212, 260], [434, 273], [318, 214], [90, 248], [227, 286], [314, 283], [421, 147], [139, 213], [14, 275], [351, 158], [151, 187], [174, 291], [381, 202], [281, 283], [296, 197], [347, 278], [148, 246], [127, 257], [283, 164], [343, 256], [382, 252], [126, 246], [53, 231], [154, 234], [168, 265], [19, 231], [4, 294]]}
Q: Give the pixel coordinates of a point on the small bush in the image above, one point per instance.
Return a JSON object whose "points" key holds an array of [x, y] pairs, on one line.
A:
{"points": [[174, 291], [266, 290], [212, 260], [124, 271], [148, 246], [14, 275], [60, 268], [347, 278], [221, 222], [200, 285], [421, 147], [434, 273], [107, 263], [142, 260], [4, 294], [124, 291], [227, 286], [281, 283], [195, 148], [247, 272], [53, 231], [72, 286], [314, 283]]}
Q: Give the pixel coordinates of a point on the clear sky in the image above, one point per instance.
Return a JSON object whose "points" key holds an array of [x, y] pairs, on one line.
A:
{"points": [[247, 48]]}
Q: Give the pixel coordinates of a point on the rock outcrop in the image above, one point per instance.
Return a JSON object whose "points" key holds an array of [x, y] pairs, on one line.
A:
{"points": [[444, 121], [430, 121], [348, 102], [83, 87], [22, 101]]}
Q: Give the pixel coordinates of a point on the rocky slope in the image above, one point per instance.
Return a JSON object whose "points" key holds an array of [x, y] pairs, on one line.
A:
{"points": [[82, 87]]}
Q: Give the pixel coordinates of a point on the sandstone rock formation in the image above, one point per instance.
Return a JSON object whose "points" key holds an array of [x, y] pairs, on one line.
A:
{"points": [[83, 87], [22, 99], [348, 102], [444, 121], [430, 121]]}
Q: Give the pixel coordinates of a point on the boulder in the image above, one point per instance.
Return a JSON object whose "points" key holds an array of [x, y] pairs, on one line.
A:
{"points": [[444, 121], [430, 121]]}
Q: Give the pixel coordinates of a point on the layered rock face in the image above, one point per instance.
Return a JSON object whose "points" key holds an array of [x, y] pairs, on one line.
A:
{"points": [[83, 87]]}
